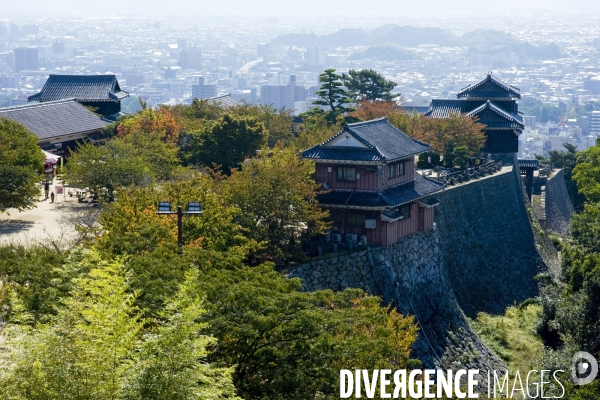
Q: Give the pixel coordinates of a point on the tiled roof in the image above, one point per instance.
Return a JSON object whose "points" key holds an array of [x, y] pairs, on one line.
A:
{"points": [[82, 88], [512, 120], [441, 108], [391, 197], [342, 153], [500, 89], [54, 118], [225, 100], [415, 109], [383, 142], [529, 163]]}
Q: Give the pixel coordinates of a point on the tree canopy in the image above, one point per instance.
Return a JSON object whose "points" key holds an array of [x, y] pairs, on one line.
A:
{"points": [[226, 142], [369, 85], [21, 162], [333, 95], [136, 159]]}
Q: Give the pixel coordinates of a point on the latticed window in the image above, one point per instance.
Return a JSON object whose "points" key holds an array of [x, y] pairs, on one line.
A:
{"points": [[346, 173]]}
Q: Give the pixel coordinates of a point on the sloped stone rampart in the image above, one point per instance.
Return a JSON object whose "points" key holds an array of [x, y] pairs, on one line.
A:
{"points": [[410, 275], [558, 204], [482, 256]]}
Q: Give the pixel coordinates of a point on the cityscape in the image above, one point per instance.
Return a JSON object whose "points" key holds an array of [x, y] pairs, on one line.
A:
{"points": [[299, 200], [271, 60]]}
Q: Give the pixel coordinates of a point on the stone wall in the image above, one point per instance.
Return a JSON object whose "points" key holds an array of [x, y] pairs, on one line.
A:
{"points": [[482, 255], [558, 204], [411, 275], [488, 243]]}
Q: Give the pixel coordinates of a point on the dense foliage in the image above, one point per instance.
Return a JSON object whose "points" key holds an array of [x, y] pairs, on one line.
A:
{"points": [[21, 161], [369, 85], [333, 96]]}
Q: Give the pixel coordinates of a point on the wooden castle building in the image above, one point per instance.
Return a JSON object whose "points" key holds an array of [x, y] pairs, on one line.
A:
{"points": [[372, 189], [494, 104], [101, 92]]}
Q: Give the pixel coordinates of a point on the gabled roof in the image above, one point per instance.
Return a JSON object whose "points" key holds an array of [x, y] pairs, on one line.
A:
{"points": [[82, 88], [490, 87], [225, 100], [382, 141], [394, 196], [54, 119], [512, 120]]}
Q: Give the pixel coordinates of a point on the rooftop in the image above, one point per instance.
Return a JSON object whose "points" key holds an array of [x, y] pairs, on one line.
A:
{"points": [[81, 87], [370, 141], [490, 87], [54, 119]]}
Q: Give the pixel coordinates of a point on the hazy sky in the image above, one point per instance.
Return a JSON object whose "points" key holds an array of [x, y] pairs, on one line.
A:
{"points": [[287, 8]]}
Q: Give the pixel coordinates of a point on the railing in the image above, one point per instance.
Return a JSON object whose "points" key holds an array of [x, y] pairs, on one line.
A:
{"points": [[452, 178]]}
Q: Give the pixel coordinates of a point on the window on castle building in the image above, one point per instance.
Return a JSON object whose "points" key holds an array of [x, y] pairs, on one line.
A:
{"points": [[395, 169], [401, 168], [346, 173], [405, 211]]}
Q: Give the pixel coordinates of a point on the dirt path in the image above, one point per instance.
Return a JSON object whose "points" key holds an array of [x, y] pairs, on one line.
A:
{"points": [[48, 222]]}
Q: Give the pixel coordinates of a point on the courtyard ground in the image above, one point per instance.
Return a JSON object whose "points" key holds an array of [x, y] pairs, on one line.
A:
{"points": [[48, 223]]}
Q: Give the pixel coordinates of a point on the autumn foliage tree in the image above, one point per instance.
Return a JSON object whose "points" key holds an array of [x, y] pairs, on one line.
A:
{"points": [[160, 122], [276, 195], [443, 134], [368, 110]]}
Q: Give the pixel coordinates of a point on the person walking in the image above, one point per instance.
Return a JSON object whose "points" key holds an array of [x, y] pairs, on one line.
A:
{"points": [[52, 197], [46, 189]]}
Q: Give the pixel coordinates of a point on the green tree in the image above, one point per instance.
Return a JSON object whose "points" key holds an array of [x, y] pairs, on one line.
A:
{"points": [[226, 142], [276, 195], [171, 363], [85, 351], [460, 156], [21, 162], [297, 341], [332, 94], [137, 159], [368, 85], [587, 172]]}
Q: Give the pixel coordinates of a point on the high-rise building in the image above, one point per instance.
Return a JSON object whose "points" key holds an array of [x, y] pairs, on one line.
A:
{"points": [[58, 48], [181, 44], [190, 57], [594, 123], [25, 58], [316, 56], [202, 91], [592, 85], [280, 96]]}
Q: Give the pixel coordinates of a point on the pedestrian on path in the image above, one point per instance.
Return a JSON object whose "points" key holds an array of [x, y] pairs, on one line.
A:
{"points": [[52, 197], [46, 189]]}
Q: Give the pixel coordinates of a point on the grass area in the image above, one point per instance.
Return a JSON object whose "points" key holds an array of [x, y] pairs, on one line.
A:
{"points": [[512, 336]]}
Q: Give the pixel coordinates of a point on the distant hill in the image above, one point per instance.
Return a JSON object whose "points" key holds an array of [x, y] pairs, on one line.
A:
{"points": [[480, 37], [385, 52], [406, 35], [382, 39]]}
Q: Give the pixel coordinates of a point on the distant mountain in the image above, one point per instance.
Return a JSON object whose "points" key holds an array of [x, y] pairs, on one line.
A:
{"points": [[406, 35], [385, 52], [488, 36], [480, 41]]}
